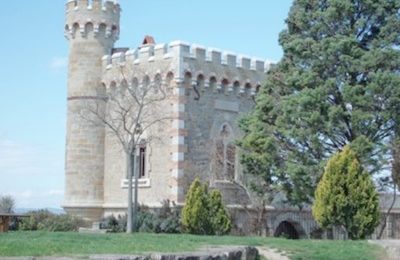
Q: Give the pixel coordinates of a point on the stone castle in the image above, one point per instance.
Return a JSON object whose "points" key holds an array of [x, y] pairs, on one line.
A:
{"points": [[211, 89], [208, 91]]}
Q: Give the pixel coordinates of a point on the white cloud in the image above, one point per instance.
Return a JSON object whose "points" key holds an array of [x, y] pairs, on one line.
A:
{"points": [[58, 63], [53, 193]]}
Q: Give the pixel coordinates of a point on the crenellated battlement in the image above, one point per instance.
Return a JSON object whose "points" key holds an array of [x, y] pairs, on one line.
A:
{"points": [[211, 64], [92, 17], [95, 5], [200, 68], [150, 53]]}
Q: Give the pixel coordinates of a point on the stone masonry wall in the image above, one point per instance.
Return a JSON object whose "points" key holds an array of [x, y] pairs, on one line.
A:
{"points": [[204, 111], [155, 186]]}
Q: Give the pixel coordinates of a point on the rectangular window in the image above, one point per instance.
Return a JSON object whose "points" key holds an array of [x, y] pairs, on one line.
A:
{"points": [[142, 161]]}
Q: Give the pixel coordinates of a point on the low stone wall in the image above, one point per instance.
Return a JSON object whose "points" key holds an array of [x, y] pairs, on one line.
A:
{"points": [[210, 253]]}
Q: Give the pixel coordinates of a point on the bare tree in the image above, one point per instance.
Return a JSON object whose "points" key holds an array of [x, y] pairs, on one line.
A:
{"points": [[395, 179], [222, 160], [7, 204], [130, 112]]}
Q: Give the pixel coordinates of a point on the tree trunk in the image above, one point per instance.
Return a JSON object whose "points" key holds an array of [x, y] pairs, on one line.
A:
{"points": [[129, 221], [135, 204]]}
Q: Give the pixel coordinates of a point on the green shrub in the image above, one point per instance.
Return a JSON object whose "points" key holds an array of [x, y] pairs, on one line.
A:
{"points": [[14, 223], [195, 213], [113, 224], [346, 197], [170, 216], [220, 221], [204, 212], [45, 220], [164, 220], [147, 222]]}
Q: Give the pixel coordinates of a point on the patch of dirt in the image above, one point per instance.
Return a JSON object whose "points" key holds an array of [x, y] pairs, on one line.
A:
{"points": [[392, 248], [272, 254]]}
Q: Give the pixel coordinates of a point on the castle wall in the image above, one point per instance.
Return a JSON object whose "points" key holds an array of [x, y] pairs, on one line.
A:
{"points": [[207, 91], [220, 89]]}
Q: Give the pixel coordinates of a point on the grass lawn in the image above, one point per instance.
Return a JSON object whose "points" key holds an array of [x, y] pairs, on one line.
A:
{"points": [[69, 244]]}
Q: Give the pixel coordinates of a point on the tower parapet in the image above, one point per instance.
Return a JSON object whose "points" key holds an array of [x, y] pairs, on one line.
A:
{"points": [[92, 16]]}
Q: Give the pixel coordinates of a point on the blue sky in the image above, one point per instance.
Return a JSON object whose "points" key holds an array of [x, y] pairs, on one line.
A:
{"points": [[33, 72]]}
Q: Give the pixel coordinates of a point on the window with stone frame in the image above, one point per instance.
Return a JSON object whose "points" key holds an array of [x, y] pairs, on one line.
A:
{"points": [[141, 159], [225, 151]]}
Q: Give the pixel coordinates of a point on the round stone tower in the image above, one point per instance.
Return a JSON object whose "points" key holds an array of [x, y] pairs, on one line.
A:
{"points": [[92, 27]]}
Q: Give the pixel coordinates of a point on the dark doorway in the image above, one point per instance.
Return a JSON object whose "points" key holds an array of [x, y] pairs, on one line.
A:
{"points": [[286, 230]]}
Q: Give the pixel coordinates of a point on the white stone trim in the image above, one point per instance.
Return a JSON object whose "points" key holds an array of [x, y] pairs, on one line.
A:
{"points": [[175, 190], [179, 91], [178, 124], [177, 173], [82, 205], [124, 206], [178, 157], [178, 140], [143, 183], [248, 207], [179, 107]]}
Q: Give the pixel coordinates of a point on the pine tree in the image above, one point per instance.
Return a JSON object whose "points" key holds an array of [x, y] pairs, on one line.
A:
{"points": [[337, 83], [346, 197], [195, 213]]}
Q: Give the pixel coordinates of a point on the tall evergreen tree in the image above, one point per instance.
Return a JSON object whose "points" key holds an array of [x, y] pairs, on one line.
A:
{"points": [[346, 197], [337, 83], [204, 213]]}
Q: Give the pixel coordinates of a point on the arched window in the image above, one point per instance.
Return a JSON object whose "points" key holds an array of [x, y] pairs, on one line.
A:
{"points": [[168, 82], [157, 84], [224, 86], [225, 150]]}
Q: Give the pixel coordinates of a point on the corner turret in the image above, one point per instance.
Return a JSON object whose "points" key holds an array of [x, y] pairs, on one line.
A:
{"points": [[92, 27]]}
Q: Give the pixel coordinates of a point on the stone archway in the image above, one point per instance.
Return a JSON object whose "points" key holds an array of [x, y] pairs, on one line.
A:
{"points": [[289, 229]]}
